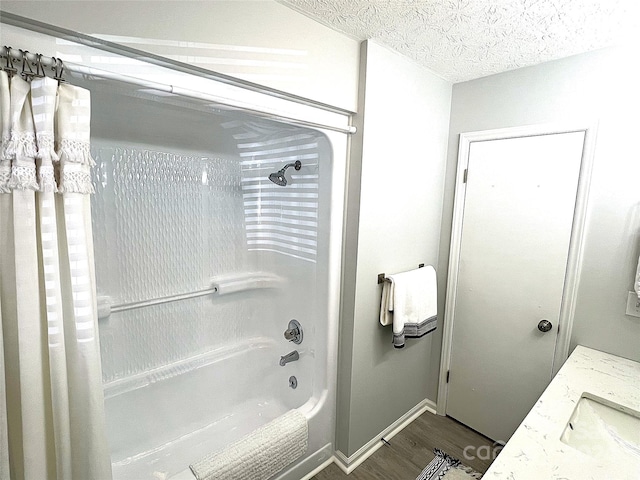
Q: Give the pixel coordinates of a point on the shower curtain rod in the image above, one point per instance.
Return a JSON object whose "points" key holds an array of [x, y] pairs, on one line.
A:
{"points": [[93, 42], [126, 51], [33, 65], [89, 72]]}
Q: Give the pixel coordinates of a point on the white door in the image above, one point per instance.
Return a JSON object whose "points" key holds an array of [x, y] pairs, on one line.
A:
{"points": [[518, 211]]}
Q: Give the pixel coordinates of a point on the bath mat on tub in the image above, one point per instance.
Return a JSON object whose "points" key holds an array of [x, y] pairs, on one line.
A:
{"points": [[446, 467], [260, 454]]}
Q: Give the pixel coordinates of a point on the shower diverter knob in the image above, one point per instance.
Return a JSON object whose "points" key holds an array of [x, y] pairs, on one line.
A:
{"points": [[294, 332]]}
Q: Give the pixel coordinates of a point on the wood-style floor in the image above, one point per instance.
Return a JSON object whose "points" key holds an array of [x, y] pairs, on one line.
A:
{"points": [[412, 449]]}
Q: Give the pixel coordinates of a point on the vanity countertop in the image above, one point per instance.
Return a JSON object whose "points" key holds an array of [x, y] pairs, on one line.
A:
{"points": [[535, 451]]}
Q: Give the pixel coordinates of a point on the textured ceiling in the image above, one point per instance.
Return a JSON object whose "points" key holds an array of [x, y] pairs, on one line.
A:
{"points": [[466, 39]]}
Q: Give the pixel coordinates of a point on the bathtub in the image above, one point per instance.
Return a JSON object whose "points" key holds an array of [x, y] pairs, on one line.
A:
{"points": [[162, 421]]}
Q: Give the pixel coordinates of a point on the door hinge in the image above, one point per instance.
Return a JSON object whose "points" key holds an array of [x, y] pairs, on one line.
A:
{"points": [[464, 177], [448, 372]]}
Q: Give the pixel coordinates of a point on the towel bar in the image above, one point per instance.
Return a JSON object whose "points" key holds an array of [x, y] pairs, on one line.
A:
{"points": [[382, 277]]}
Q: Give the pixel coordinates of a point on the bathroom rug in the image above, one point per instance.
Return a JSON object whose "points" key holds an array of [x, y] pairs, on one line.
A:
{"points": [[446, 467]]}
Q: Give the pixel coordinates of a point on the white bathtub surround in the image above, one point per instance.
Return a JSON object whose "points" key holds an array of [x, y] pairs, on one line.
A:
{"points": [[51, 377], [261, 454], [536, 450], [409, 303]]}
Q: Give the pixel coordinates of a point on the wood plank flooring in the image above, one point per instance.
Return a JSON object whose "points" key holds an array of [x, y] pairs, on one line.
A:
{"points": [[412, 449]]}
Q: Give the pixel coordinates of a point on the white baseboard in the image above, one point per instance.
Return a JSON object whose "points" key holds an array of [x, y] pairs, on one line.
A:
{"points": [[313, 473], [349, 464]]}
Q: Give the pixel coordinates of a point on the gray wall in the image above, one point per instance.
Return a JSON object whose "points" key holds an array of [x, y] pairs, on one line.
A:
{"points": [[393, 218], [595, 86]]}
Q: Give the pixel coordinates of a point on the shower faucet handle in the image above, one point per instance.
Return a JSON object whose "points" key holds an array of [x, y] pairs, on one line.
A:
{"points": [[293, 333]]}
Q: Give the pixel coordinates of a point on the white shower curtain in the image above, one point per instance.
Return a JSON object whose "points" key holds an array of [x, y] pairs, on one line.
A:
{"points": [[51, 403]]}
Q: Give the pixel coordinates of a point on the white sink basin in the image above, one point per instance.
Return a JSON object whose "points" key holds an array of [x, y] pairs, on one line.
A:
{"points": [[604, 430]]}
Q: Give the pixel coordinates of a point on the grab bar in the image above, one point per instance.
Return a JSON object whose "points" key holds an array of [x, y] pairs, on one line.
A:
{"points": [[220, 285], [105, 308]]}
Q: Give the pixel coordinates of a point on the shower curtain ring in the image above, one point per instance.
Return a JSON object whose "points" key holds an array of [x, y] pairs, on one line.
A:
{"points": [[58, 69], [8, 67], [39, 67], [27, 72]]}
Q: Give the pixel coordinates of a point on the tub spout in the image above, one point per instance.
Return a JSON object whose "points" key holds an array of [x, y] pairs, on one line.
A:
{"points": [[289, 357]]}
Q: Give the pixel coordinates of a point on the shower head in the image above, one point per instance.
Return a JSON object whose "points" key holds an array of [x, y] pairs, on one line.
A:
{"points": [[278, 177]]}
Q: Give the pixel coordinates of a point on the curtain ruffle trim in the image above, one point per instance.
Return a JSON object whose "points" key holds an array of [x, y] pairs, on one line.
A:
{"points": [[21, 144], [76, 182], [5, 176], [4, 147], [75, 151], [23, 177], [20, 177], [46, 150], [47, 179]]}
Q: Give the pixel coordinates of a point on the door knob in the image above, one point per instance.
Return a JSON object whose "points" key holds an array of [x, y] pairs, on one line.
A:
{"points": [[544, 325]]}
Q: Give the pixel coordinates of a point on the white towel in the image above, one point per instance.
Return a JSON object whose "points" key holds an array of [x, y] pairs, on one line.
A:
{"points": [[409, 303], [259, 455]]}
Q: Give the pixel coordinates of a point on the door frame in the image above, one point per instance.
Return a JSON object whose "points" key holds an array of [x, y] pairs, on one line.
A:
{"points": [[576, 243]]}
